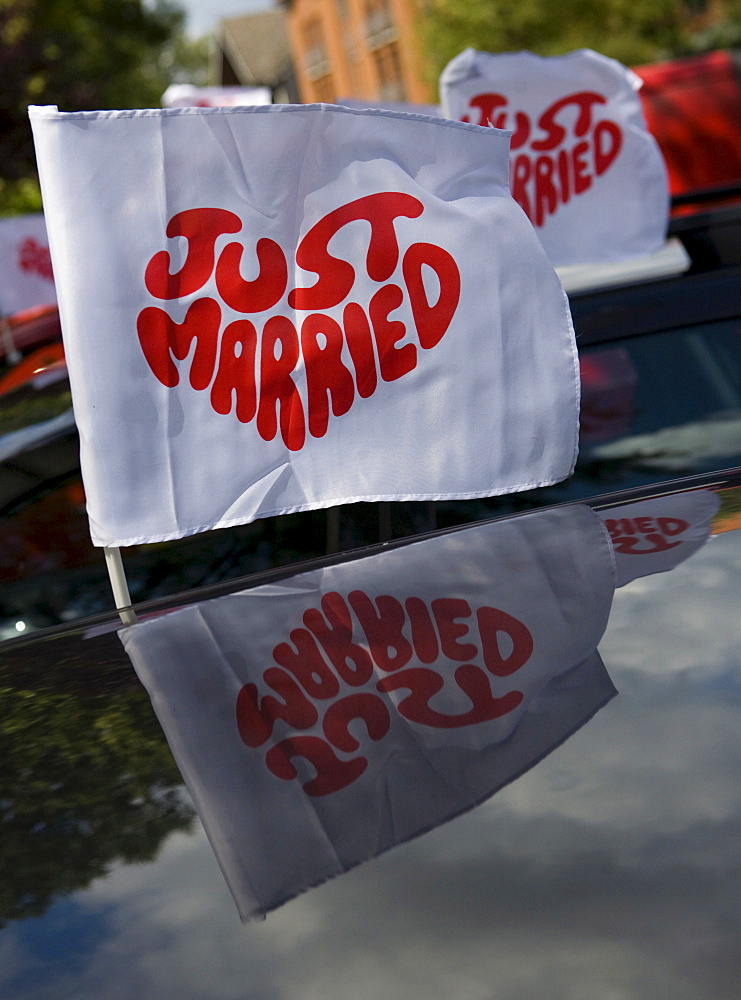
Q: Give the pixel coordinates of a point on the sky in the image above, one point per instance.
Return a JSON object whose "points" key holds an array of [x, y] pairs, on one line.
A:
{"points": [[203, 15]]}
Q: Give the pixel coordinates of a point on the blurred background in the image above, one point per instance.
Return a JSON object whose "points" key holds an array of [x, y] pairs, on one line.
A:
{"points": [[102, 54]]}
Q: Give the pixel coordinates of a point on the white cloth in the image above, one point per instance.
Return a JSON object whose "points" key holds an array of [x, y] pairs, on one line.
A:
{"points": [[427, 355], [321, 720], [26, 278], [654, 536], [584, 168], [185, 95]]}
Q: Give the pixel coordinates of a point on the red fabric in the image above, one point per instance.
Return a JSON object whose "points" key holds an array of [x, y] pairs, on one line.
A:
{"points": [[693, 108]]}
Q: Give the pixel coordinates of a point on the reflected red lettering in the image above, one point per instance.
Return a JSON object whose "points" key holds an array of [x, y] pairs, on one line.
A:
{"points": [[332, 773], [368, 707], [307, 665], [423, 684], [351, 661], [382, 622]]}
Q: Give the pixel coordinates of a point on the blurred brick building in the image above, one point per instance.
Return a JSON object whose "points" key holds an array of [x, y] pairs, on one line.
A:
{"points": [[363, 49]]}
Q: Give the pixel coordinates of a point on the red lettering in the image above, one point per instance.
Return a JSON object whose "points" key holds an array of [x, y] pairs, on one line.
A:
{"points": [[255, 722], [269, 387], [626, 534], [446, 610], [352, 662], [622, 527], [632, 544], [327, 378], [201, 227], [521, 171], [556, 133], [563, 176], [332, 774], [582, 178], [382, 624], [336, 277], [431, 321], [521, 133], [546, 198], [608, 141], [253, 729], [487, 104], [307, 665], [291, 705], [266, 289], [277, 388], [424, 637], [491, 622], [236, 372], [423, 684], [368, 707], [394, 361], [161, 338], [360, 345]]}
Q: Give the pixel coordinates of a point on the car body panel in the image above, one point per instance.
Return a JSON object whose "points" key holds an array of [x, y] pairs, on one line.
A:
{"points": [[609, 869]]}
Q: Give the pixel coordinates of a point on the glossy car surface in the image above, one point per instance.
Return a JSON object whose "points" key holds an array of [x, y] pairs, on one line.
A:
{"points": [[610, 869]]}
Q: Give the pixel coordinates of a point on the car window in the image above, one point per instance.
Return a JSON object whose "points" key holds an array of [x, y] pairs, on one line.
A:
{"points": [[662, 403]]}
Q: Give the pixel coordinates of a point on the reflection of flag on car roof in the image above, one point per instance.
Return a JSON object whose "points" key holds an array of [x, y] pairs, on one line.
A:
{"points": [[321, 720], [283, 308], [654, 536]]}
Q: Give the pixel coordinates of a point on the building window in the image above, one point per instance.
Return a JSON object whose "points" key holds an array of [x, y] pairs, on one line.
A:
{"points": [[316, 60], [379, 24], [390, 77]]}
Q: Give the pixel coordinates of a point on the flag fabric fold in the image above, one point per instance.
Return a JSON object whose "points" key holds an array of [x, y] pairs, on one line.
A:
{"points": [[282, 308], [323, 719]]}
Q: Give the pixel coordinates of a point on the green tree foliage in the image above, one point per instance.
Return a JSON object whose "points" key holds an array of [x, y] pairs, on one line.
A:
{"points": [[81, 55], [633, 33], [87, 781]]}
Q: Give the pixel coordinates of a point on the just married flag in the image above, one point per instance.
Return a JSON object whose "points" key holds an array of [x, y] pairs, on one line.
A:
{"points": [[584, 167], [281, 308], [26, 278], [323, 719], [654, 536]]}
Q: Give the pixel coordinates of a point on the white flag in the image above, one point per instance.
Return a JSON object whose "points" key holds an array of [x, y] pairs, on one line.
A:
{"points": [[654, 536], [584, 168], [185, 95], [282, 308], [26, 278], [321, 720]]}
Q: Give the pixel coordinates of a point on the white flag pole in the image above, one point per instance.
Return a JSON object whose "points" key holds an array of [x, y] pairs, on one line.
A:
{"points": [[120, 587]]}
